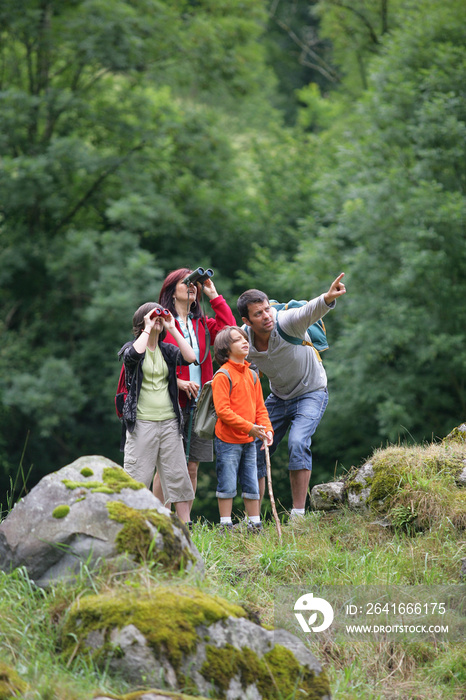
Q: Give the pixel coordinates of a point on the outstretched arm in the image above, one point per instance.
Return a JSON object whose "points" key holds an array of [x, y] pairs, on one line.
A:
{"points": [[337, 288]]}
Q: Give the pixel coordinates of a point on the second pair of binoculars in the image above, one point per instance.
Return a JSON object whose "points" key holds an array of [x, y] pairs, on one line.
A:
{"points": [[160, 312], [198, 275]]}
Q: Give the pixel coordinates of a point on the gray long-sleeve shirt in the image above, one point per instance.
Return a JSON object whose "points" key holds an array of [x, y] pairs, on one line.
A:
{"points": [[292, 370]]}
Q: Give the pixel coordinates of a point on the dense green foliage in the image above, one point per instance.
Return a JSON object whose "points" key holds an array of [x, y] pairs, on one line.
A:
{"points": [[397, 228], [138, 136]]}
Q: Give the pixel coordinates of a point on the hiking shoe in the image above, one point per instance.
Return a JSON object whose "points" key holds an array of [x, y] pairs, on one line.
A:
{"points": [[255, 528], [226, 527]]}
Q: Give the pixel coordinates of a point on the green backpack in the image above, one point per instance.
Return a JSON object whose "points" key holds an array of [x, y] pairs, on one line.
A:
{"points": [[316, 332]]}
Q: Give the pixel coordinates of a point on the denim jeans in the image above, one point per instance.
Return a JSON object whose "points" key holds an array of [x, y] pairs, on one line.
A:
{"points": [[302, 415], [236, 462]]}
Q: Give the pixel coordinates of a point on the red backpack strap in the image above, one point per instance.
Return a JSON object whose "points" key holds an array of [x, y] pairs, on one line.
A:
{"points": [[121, 393]]}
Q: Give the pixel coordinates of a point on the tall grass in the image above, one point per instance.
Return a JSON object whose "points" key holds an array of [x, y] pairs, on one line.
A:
{"points": [[18, 486]]}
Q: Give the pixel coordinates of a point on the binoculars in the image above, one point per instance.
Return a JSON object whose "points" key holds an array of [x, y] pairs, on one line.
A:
{"points": [[198, 275], [160, 312]]}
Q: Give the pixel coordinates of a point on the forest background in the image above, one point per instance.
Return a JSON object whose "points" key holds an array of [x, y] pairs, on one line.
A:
{"points": [[279, 143]]}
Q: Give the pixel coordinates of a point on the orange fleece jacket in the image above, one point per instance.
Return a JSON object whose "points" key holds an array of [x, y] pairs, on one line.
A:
{"points": [[239, 410]]}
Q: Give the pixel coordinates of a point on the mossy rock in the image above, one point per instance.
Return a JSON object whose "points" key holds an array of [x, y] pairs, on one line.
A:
{"points": [[276, 675], [11, 685], [93, 512], [168, 619], [191, 642], [357, 486], [114, 479], [458, 434], [414, 486], [327, 497], [140, 530], [387, 479]]}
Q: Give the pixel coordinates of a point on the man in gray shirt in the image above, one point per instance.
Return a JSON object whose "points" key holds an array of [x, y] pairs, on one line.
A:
{"points": [[297, 378]]}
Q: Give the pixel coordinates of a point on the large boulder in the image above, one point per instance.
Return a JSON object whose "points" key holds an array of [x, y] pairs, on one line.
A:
{"points": [[92, 512], [184, 639]]}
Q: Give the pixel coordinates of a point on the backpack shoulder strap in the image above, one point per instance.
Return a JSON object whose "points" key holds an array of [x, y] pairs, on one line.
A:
{"points": [[298, 341], [203, 321], [122, 380], [290, 338], [225, 371]]}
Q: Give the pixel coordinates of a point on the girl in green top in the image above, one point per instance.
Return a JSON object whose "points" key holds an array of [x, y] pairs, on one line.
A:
{"points": [[151, 411]]}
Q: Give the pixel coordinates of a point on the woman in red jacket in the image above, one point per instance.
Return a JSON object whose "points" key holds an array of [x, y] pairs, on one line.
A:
{"points": [[183, 300]]}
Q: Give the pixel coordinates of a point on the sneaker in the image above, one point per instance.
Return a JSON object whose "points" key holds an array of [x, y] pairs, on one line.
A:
{"points": [[255, 528], [226, 527], [296, 516]]}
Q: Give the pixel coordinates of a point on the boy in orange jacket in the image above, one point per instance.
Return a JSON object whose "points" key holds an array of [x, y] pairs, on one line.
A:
{"points": [[241, 417]]}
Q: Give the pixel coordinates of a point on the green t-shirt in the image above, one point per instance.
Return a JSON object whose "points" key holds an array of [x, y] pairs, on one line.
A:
{"points": [[154, 400]]}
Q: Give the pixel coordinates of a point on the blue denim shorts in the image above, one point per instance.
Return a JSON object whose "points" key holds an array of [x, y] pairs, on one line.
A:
{"points": [[236, 462], [302, 416]]}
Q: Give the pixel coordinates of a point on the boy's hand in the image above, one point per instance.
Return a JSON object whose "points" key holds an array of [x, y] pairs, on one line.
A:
{"points": [[268, 440], [258, 431]]}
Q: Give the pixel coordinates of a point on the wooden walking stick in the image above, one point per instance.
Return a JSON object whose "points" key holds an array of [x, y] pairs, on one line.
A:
{"points": [[269, 483]]}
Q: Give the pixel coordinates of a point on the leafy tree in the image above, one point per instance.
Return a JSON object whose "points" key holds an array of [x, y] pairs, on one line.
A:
{"points": [[218, 53], [106, 177], [298, 53], [356, 30], [393, 219]]}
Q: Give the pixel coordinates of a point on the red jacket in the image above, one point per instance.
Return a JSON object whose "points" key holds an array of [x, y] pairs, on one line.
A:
{"points": [[223, 317]]}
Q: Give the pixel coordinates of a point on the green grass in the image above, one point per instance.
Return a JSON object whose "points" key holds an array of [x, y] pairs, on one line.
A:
{"points": [[341, 548], [345, 548], [323, 549]]}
